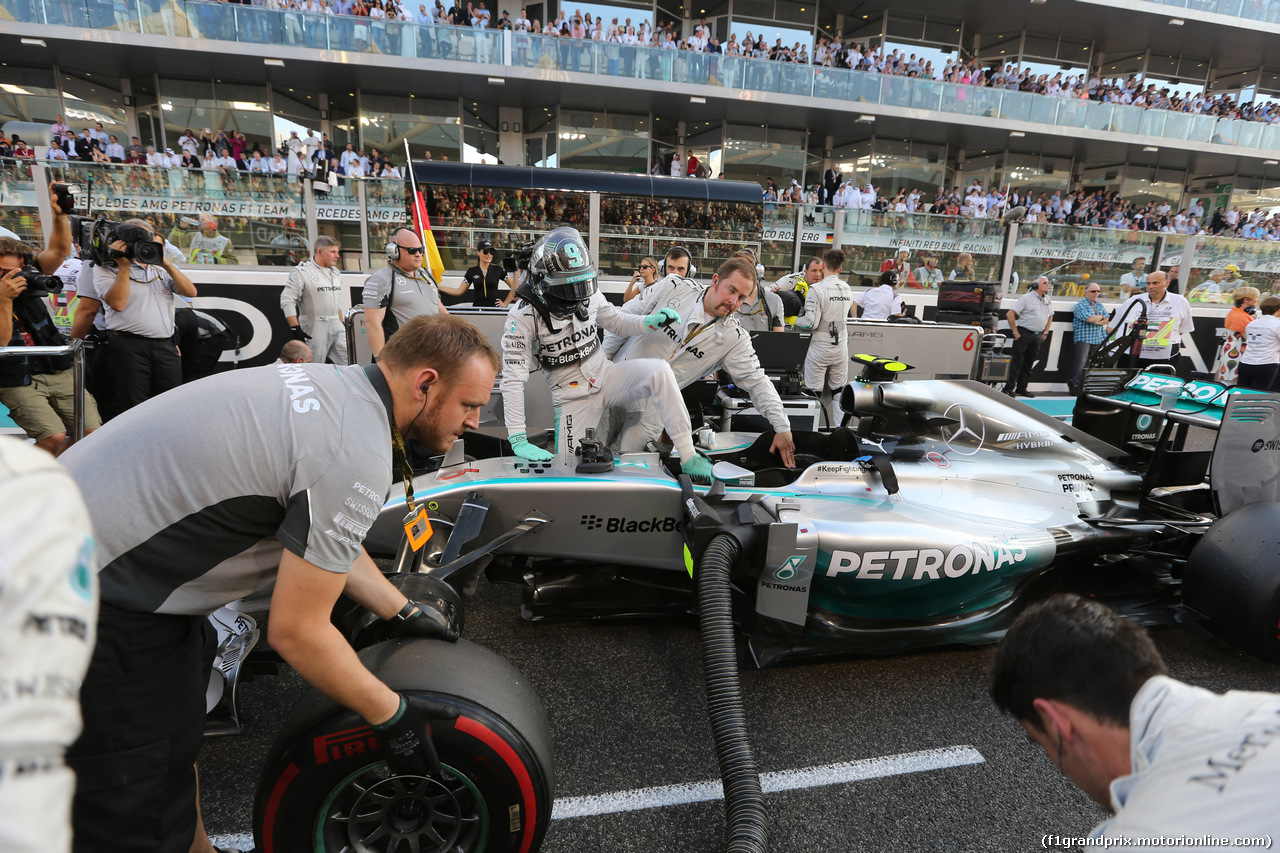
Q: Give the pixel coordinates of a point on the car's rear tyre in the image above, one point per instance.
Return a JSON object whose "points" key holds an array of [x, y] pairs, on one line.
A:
{"points": [[325, 786], [1233, 578]]}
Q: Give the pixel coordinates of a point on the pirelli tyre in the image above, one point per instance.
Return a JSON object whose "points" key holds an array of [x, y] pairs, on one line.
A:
{"points": [[1233, 578], [326, 787]]}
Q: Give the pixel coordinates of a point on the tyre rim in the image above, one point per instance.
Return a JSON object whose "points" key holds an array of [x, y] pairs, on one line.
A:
{"points": [[371, 812]]}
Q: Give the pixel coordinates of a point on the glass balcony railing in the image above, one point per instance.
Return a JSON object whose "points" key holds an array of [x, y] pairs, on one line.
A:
{"points": [[1267, 11], [259, 25]]}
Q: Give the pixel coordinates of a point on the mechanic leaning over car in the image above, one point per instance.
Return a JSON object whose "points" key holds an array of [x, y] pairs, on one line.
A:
{"points": [[1169, 759], [708, 339], [826, 312], [554, 324], [279, 472]]}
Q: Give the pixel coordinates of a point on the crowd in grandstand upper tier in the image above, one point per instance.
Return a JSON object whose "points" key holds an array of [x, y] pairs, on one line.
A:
{"points": [[829, 52], [1098, 209]]}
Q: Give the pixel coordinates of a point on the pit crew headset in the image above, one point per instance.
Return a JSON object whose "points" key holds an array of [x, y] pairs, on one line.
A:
{"points": [[389, 322], [562, 279], [680, 251]]}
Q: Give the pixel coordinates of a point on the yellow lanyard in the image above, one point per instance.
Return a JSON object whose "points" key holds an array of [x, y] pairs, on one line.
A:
{"points": [[689, 336], [404, 463]]}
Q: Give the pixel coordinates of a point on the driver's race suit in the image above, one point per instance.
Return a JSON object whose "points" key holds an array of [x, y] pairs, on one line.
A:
{"points": [[826, 310], [48, 614], [1204, 766], [313, 294], [696, 346], [291, 456], [583, 382]]}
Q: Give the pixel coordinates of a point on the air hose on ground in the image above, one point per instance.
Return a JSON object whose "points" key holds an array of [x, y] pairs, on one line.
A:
{"points": [[744, 800]]}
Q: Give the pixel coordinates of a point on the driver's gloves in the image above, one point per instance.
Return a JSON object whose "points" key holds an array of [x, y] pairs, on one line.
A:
{"points": [[663, 317], [521, 447]]}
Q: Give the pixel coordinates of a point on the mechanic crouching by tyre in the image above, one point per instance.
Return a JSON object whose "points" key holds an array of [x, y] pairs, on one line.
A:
{"points": [[1171, 760], [709, 338], [554, 324], [312, 303], [276, 476]]}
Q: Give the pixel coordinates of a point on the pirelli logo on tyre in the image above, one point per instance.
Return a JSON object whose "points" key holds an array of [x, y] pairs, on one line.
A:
{"points": [[618, 524]]}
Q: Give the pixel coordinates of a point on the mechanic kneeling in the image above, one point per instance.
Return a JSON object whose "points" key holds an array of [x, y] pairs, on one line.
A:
{"points": [[238, 465]]}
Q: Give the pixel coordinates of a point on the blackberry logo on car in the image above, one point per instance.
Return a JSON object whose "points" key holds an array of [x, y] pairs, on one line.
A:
{"points": [[592, 521]]}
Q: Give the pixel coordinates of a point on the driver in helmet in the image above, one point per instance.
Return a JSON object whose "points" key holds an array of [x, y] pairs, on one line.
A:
{"points": [[553, 324]]}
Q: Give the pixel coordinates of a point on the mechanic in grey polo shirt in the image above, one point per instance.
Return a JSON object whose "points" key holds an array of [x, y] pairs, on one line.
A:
{"points": [[1029, 319], [279, 473], [401, 290], [139, 300]]}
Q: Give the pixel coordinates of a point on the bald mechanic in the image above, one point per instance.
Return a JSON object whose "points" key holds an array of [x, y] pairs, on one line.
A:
{"points": [[1170, 760], [401, 290], [289, 465], [707, 339]]}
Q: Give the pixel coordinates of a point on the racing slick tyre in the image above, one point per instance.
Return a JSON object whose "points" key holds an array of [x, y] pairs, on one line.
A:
{"points": [[325, 786], [1233, 578]]}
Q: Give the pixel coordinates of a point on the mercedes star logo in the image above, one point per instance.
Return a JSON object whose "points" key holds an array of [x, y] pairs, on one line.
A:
{"points": [[968, 428]]}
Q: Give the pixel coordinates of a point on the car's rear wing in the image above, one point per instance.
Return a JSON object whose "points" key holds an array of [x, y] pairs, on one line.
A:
{"points": [[1140, 410]]}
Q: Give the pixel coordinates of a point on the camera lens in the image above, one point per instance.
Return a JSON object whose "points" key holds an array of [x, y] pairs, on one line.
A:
{"points": [[147, 252]]}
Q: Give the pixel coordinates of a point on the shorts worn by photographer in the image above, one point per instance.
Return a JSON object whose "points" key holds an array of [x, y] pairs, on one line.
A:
{"points": [[38, 391]]}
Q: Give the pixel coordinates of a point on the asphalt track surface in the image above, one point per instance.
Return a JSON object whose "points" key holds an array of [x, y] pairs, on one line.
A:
{"points": [[627, 712]]}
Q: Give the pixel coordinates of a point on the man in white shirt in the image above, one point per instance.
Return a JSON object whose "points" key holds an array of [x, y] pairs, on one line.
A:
{"points": [[153, 159], [278, 164], [55, 152], [1170, 760], [348, 156], [1168, 321], [882, 301], [310, 146], [115, 151]]}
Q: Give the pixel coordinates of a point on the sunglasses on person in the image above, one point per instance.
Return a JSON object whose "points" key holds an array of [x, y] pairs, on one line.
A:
{"points": [[1094, 290], [646, 266], [486, 251], [413, 250]]}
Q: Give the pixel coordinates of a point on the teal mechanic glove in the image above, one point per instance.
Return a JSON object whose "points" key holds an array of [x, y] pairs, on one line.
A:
{"points": [[664, 317], [521, 447], [698, 468]]}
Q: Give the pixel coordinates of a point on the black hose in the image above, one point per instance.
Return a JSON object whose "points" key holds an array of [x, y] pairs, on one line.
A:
{"points": [[744, 800]]}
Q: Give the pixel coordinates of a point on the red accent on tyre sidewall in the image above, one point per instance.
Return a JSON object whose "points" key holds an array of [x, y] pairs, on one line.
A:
{"points": [[486, 735], [273, 803]]}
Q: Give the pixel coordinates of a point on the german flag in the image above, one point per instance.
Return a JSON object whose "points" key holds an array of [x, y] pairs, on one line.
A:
{"points": [[423, 223]]}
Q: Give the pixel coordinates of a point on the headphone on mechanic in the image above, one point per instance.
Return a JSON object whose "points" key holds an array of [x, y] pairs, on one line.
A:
{"points": [[678, 249], [393, 248]]}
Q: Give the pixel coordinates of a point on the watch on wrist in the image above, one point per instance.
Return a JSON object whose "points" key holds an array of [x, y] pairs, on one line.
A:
{"points": [[410, 608]]}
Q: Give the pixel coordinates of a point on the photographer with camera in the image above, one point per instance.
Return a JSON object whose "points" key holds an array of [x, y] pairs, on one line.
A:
{"points": [[38, 391], [139, 297]]}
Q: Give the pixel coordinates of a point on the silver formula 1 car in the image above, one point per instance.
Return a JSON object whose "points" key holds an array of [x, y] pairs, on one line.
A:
{"points": [[932, 516]]}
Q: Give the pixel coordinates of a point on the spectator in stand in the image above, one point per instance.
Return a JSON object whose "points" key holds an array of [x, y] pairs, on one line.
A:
{"points": [[1089, 326], [114, 150], [1261, 358], [965, 269], [927, 276], [1134, 281], [54, 152], [677, 168], [1030, 320], [898, 263]]}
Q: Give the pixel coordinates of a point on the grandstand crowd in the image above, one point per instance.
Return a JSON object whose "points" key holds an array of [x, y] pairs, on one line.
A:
{"points": [[828, 52]]}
